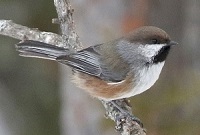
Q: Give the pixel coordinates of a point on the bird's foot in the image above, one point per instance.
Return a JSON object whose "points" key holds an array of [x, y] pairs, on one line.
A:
{"points": [[124, 116]]}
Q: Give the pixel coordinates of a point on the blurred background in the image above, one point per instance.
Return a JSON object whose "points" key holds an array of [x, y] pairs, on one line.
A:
{"points": [[37, 97]]}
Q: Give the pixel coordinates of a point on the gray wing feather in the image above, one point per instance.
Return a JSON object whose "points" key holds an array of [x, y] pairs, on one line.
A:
{"points": [[86, 61], [90, 61]]}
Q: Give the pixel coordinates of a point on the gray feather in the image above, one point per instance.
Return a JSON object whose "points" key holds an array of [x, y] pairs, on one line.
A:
{"points": [[92, 61], [86, 61], [29, 48]]}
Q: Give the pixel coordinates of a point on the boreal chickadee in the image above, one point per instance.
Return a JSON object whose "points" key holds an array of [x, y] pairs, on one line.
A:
{"points": [[118, 69]]}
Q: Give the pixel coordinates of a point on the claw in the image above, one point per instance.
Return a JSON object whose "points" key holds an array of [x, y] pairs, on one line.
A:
{"points": [[125, 115]]}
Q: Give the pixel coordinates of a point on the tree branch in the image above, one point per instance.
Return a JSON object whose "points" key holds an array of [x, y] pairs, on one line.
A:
{"points": [[65, 19], [126, 123], [10, 29]]}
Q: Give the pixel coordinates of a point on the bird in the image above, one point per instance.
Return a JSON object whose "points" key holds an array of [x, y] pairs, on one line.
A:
{"points": [[117, 69]]}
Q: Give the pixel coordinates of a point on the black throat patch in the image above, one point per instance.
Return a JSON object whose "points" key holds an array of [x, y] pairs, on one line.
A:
{"points": [[162, 54]]}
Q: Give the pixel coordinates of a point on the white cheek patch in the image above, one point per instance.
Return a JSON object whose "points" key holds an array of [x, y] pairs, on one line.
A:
{"points": [[150, 50]]}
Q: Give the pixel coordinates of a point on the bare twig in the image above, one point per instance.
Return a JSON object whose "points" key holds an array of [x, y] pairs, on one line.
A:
{"points": [[65, 19], [125, 124], [8, 28]]}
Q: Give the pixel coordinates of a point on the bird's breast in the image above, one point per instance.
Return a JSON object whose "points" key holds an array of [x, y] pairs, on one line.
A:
{"points": [[145, 78]]}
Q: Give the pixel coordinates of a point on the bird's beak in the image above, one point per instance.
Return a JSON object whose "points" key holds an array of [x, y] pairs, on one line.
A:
{"points": [[172, 43]]}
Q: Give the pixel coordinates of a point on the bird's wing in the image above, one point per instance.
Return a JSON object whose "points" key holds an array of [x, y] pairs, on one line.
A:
{"points": [[89, 61], [86, 61]]}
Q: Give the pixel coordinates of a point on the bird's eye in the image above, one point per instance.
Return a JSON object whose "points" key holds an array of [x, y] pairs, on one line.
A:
{"points": [[155, 41]]}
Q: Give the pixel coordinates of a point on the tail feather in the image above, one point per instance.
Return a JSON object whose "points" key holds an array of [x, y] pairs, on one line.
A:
{"points": [[37, 49]]}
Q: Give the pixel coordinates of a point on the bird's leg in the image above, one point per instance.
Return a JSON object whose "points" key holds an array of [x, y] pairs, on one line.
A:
{"points": [[118, 107], [125, 113]]}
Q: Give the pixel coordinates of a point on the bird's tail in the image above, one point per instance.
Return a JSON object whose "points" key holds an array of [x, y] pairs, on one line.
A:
{"points": [[37, 49]]}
